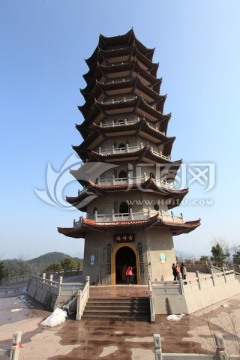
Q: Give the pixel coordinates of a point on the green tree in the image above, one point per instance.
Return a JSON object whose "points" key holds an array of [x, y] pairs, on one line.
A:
{"points": [[79, 264], [69, 263], [219, 253], [55, 267], [2, 271], [236, 258], [204, 259]]}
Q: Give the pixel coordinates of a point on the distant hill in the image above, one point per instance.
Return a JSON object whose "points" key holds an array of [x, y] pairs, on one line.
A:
{"points": [[35, 265], [48, 259]]}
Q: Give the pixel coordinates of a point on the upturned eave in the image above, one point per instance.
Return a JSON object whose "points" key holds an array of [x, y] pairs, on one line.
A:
{"points": [[92, 225]]}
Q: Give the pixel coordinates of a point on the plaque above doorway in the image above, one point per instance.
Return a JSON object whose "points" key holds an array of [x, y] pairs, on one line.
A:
{"points": [[124, 238]]}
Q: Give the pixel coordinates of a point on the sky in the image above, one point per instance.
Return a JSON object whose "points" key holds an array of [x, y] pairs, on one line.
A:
{"points": [[43, 46]]}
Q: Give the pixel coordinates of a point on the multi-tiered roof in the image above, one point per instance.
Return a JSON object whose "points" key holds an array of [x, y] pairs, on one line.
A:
{"points": [[123, 101]]}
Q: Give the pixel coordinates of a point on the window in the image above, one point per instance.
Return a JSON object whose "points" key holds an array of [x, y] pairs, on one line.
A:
{"points": [[122, 174], [123, 208]]}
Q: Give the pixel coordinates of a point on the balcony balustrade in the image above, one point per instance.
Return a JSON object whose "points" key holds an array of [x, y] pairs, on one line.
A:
{"points": [[114, 101], [118, 217], [129, 149], [122, 122], [130, 180]]}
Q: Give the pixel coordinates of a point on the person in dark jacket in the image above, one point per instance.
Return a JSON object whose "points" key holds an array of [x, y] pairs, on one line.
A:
{"points": [[174, 271]]}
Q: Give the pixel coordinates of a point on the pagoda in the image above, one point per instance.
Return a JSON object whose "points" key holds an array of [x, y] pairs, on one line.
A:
{"points": [[128, 176]]}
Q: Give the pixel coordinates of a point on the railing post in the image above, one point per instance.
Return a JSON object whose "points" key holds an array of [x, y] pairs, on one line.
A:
{"points": [[198, 280], [43, 277], [78, 314], [224, 274], [152, 310], [51, 279], [181, 287], [128, 178], [88, 282], [60, 281], [149, 212], [131, 214], [157, 347], [213, 280], [16, 345]]}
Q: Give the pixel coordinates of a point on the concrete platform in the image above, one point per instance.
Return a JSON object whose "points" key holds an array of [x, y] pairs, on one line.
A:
{"points": [[89, 340]]}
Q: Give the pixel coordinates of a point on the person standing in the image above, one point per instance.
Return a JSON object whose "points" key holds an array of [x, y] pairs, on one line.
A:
{"points": [[129, 274], [183, 271], [174, 271], [178, 271]]}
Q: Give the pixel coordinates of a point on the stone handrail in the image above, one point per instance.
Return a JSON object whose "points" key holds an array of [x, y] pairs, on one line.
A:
{"points": [[220, 353], [117, 101], [181, 286], [144, 215], [152, 309], [129, 149], [82, 299], [133, 180], [14, 280], [41, 282], [122, 122]]}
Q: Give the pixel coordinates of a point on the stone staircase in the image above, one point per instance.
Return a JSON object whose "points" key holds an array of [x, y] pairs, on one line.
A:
{"points": [[118, 308]]}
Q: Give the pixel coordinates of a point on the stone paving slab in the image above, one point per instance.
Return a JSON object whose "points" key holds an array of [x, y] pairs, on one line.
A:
{"points": [[90, 340]]}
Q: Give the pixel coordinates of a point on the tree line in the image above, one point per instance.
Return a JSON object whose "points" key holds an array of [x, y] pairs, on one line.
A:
{"points": [[51, 262]]}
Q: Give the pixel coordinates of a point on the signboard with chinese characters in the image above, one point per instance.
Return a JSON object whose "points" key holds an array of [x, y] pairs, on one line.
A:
{"points": [[124, 238]]}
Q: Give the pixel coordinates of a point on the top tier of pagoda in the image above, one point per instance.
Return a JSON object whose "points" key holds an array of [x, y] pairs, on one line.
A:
{"points": [[124, 123]]}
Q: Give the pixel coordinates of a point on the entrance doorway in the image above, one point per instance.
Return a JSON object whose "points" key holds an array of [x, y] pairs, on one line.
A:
{"points": [[125, 256]]}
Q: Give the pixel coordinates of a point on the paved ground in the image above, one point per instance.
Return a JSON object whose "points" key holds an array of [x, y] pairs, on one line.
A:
{"points": [[89, 340]]}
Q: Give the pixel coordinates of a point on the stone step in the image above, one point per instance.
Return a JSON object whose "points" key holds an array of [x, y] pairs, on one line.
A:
{"points": [[129, 301], [117, 317], [118, 309], [135, 307]]}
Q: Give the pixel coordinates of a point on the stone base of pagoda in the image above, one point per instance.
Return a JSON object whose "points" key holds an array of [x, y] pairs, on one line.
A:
{"points": [[150, 252]]}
